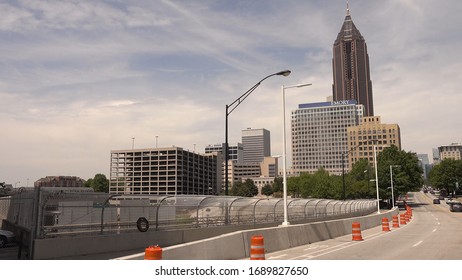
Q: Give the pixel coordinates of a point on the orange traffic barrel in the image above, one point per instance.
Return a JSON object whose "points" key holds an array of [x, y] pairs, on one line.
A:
{"points": [[402, 219], [409, 211], [153, 253], [395, 221], [257, 248], [406, 216], [356, 231], [385, 224]]}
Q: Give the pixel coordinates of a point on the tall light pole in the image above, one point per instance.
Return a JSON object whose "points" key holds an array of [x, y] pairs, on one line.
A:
{"points": [[230, 108], [376, 179], [284, 156], [391, 184]]}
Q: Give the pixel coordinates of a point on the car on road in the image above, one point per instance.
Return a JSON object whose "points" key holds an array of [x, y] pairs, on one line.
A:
{"points": [[6, 237], [455, 207], [436, 201]]}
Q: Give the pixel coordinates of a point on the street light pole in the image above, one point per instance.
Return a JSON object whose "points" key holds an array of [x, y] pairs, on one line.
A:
{"points": [[376, 179], [391, 184], [230, 108], [284, 157]]}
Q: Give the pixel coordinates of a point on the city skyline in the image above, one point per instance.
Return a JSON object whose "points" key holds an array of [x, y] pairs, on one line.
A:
{"points": [[81, 79]]}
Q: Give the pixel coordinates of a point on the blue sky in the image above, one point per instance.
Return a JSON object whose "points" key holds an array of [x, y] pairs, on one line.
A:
{"points": [[80, 78]]}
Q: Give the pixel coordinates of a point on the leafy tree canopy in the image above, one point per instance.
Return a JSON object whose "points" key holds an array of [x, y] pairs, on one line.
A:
{"points": [[246, 189], [99, 183], [447, 175]]}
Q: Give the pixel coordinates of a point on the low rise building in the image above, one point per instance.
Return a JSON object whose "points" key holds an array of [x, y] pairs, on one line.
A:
{"points": [[164, 171], [453, 151]]}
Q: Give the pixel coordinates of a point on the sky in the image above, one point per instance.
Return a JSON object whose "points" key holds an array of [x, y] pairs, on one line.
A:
{"points": [[81, 78]]}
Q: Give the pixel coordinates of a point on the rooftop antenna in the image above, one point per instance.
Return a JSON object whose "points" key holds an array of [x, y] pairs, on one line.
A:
{"points": [[348, 8]]}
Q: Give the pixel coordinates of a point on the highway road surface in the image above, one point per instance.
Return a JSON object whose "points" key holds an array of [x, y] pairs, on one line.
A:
{"points": [[434, 233]]}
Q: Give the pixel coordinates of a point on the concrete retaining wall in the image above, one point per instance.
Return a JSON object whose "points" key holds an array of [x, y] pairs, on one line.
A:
{"points": [[237, 245], [55, 248]]}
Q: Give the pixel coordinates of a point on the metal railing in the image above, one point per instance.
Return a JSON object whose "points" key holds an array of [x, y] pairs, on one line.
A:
{"points": [[52, 212]]}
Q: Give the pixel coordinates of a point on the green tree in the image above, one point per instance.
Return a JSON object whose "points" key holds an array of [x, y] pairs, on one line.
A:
{"points": [[99, 183], [277, 187], [447, 175], [267, 190], [300, 186], [358, 184], [407, 177], [324, 186], [246, 189]]}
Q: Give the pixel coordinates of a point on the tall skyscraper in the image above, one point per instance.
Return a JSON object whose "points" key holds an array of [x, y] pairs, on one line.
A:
{"points": [[351, 67], [257, 145]]}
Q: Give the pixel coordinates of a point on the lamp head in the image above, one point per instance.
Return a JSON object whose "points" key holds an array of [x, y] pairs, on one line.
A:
{"points": [[284, 73]]}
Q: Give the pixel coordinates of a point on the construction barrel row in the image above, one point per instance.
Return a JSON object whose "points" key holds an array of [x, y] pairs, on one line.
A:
{"points": [[257, 245], [402, 219]]}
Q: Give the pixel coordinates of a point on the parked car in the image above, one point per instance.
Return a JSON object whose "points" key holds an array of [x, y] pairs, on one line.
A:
{"points": [[6, 237], [455, 207], [436, 201]]}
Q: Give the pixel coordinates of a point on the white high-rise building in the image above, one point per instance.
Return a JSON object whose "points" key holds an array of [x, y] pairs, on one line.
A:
{"points": [[257, 145], [319, 135]]}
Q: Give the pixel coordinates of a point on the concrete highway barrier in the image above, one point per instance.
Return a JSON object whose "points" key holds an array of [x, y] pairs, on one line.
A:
{"points": [[236, 245]]}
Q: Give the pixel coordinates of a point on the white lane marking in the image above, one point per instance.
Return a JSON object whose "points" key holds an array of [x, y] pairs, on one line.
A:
{"points": [[337, 247], [276, 257], [417, 244], [434, 230], [315, 247]]}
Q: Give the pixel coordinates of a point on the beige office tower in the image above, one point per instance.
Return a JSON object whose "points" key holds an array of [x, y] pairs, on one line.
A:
{"points": [[372, 132]]}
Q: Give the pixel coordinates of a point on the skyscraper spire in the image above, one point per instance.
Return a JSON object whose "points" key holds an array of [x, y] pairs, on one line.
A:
{"points": [[351, 66]]}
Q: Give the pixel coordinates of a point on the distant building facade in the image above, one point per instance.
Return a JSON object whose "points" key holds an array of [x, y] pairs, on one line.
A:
{"points": [[236, 152], [319, 135], [256, 144], [425, 164], [436, 156], [372, 132], [260, 182], [164, 171], [453, 151], [268, 167]]}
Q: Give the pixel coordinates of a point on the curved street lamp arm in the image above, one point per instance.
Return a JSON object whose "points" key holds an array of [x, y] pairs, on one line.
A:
{"points": [[241, 99], [247, 93]]}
